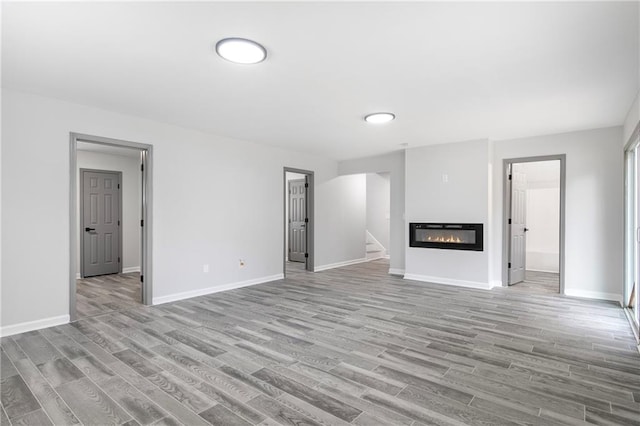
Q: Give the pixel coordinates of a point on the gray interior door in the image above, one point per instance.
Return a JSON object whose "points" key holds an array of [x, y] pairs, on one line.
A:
{"points": [[517, 258], [100, 212], [297, 220]]}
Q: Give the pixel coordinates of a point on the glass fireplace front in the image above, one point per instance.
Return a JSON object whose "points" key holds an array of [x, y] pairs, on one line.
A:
{"points": [[453, 236]]}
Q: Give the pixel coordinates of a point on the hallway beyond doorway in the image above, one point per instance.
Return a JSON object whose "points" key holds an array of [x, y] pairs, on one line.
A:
{"points": [[107, 293], [539, 282]]}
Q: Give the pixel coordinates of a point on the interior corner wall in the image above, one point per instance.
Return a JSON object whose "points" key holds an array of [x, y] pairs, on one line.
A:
{"points": [[379, 207], [131, 202], [394, 164], [216, 200], [594, 207], [448, 183]]}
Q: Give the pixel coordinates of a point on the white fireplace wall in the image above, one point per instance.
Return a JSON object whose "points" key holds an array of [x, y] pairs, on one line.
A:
{"points": [[448, 183]]}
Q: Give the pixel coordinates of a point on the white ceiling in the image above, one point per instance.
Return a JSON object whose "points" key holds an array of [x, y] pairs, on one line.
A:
{"points": [[449, 71]]}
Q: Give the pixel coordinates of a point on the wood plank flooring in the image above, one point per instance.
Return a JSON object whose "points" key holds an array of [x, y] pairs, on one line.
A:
{"points": [[107, 293], [345, 346], [539, 282]]}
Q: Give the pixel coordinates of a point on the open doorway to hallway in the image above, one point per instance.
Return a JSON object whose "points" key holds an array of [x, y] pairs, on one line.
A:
{"points": [[110, 225], [378, 226], [109, 234], [298, 220], [533, 222]]}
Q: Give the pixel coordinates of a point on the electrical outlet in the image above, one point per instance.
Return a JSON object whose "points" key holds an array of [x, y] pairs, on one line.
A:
{"points": [[241, 263], [445, 178], [205, 268]]}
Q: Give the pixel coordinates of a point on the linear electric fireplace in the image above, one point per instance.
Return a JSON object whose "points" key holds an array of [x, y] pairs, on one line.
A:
{"points": [[451, 236]]}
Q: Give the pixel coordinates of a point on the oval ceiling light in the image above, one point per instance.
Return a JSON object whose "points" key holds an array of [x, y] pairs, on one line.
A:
{"points": [[241, 50], [379, 117]]}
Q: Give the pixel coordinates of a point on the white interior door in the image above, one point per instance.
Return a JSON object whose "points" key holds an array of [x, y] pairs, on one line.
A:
{"points": [[517, 256]]}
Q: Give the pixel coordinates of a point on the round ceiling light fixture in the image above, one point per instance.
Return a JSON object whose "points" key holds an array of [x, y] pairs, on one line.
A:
{"points": [[379, 117], [241, 50]]}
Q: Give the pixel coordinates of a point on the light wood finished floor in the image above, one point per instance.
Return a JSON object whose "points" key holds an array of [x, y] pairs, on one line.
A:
{"points": [[107, 293], [346, 346], [539, 282]]}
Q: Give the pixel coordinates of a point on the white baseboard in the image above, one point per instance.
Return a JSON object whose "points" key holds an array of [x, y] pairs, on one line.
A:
{"points": [[448, 281], [542, 270], [210, 290], [495, 283], [396, 271], [376, 257], [593, 294], [23, 327], [340, 264]]}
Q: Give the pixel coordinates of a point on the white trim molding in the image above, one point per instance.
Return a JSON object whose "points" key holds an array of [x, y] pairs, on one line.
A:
{"points": [[396, 271], [23, 327], [340, 264], [210, 290], [449, 281], [593, 295]]}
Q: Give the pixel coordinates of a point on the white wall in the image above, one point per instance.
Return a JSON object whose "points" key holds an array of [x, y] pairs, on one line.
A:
{"points": [[448, 183], [348, 217], [216, 200], [394, 163], [131, 201], [543, 215], [379, 207], [594, 207]]}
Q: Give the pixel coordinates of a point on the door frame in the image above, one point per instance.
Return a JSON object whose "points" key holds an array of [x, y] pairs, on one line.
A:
{"points": [[631, 202], [146, 257], [506, 210], [81, 210], [310, 203]]}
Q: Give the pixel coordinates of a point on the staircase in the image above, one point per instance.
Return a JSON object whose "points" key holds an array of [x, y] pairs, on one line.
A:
{"points": [[375, 250]]}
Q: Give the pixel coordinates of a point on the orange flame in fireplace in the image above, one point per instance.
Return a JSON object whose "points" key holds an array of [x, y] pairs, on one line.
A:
{"points": [[449, 239]]}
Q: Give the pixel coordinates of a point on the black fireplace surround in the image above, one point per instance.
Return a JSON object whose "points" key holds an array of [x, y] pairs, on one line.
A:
{"points": [[450, 236]]}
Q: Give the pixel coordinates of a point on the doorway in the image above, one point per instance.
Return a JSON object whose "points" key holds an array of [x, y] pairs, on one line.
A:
{"points": [[110, 225], [298, 220], [533, 226]]}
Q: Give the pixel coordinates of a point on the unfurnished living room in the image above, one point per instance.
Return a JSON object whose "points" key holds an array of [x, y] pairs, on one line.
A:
{"points": [[320, 213]]}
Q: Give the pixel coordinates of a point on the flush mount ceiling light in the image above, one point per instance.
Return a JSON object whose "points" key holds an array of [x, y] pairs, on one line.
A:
{"points": [[379, 117], [241, 50]]}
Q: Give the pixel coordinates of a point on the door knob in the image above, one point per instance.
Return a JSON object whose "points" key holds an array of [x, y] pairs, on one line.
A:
{"points": [[89, 229], [526, 229]]}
